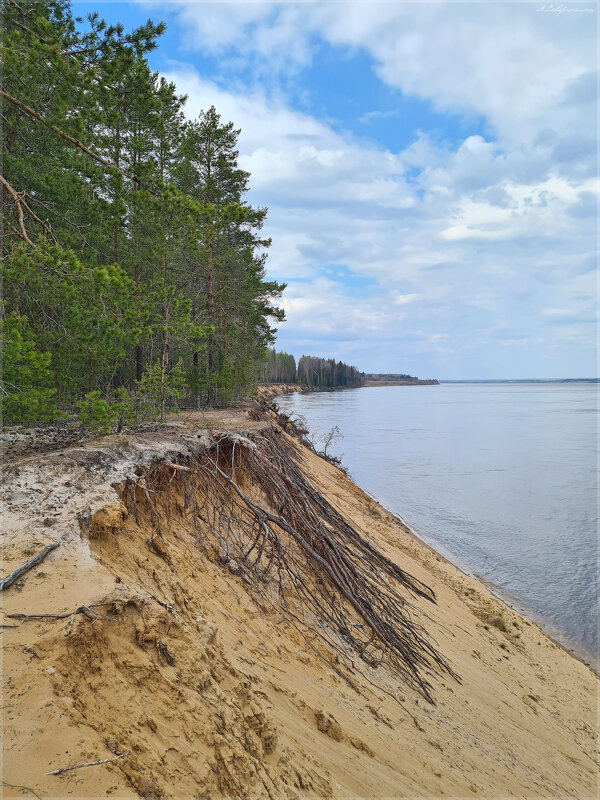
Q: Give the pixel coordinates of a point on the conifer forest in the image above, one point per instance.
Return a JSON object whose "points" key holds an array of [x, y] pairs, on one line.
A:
{"points": [[133, 267]]}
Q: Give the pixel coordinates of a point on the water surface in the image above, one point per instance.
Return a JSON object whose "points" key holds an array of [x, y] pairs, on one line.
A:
{"points": [[500, 478]]}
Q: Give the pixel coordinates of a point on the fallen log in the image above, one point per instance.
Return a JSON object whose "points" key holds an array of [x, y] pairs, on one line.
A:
{"points": [[16, 574]]}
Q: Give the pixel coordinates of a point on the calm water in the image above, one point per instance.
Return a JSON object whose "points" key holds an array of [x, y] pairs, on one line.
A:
{"points": [[500, 478]]}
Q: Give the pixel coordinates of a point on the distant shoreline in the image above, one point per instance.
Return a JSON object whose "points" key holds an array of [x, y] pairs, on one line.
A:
{"points": [[417, 382], [524, 380], [395, 379]]}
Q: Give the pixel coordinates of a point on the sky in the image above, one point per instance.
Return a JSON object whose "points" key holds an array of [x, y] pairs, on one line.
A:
{"points": [[430, 169]]}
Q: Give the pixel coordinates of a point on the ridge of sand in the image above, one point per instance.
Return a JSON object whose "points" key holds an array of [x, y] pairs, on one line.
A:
{"points": [[213, 697]]}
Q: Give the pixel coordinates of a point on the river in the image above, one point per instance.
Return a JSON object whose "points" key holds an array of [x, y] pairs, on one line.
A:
{"points": [[500, 478]]}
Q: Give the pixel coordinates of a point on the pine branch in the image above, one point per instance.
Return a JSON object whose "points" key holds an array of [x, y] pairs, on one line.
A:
{"points": [[75, 142], [20, 202]]}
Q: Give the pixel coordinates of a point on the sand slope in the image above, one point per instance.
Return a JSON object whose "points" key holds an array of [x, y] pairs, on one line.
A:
{"points": [[211, 696]]}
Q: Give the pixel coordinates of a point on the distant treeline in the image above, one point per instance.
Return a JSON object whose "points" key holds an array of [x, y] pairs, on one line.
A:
{"points": [[280, 368], [327, 372], [388, 376], [395, 379], [310, 371]]}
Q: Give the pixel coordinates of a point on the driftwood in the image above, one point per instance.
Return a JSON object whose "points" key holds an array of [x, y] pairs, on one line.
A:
{"points": [[87, 764], [15, 574]]}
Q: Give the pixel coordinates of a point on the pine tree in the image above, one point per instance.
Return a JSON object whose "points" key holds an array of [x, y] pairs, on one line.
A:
{"points": [[130, 258], [230, 294]]}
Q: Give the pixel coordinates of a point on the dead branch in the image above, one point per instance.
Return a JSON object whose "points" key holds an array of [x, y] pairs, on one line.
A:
{"points": [[178, 467], [85, 610], [87, 764], [25, 788], [19, 206], [15, 574]]}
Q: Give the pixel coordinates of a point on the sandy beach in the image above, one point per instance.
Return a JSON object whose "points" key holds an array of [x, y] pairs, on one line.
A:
{"points": [[202, 692]]}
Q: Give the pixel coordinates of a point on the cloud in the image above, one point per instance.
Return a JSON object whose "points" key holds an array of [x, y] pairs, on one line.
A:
{"points": [[404, 299], [463, 251], [369, 116], [569, 315], [519, 67], [581, 90]]}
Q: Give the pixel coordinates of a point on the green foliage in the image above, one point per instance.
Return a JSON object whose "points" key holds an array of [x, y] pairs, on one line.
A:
{"points": [[107, 415], [279, 368], [26, 386], [111, 413], [99, 415], [327, 373], [86, 317], [154, 389], [131, 256]]}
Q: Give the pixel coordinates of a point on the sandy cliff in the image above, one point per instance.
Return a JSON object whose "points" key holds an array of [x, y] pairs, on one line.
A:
{"points": [[269, 391], [212, 688]]}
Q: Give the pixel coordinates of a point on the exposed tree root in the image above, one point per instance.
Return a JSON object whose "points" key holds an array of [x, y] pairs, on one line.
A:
{"points": [[299, 554], [23, 788]]}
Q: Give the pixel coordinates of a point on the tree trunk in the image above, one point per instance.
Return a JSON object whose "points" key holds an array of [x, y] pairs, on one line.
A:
{"points": [[139, 366], [116, 221], [164, 357], [210, 310]]}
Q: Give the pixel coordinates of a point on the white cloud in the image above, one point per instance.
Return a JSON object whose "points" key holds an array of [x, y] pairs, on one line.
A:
{"points": [[487, 240], [521, 68], [403, 299]]}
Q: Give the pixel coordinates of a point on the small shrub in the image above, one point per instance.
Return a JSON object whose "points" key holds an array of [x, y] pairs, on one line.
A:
{"points": [[148, 391], [97, 414], [26, 391], [100, 415], [499, 622]]}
